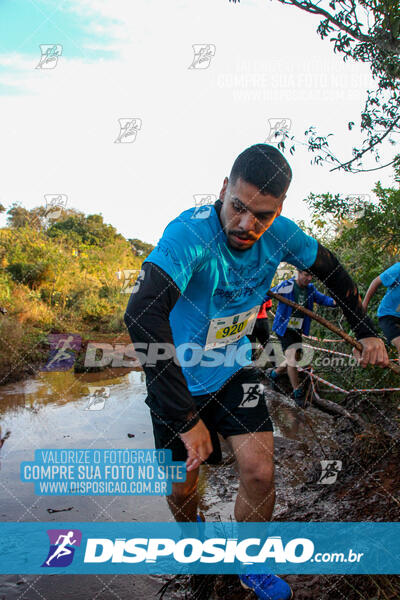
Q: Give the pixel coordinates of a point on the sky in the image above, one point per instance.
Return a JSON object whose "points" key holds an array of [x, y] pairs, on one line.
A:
{"points": [[130, 59]]}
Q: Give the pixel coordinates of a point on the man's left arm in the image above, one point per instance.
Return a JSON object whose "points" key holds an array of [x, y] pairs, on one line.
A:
{"points": [[345, 293], [323, 300]]}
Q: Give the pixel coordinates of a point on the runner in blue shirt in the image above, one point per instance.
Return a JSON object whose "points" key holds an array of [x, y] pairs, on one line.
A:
{"points": [[194, 303], [389, 308], [290, 325]]}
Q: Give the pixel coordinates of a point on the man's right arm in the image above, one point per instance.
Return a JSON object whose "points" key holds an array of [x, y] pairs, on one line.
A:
{"points": [[147, 320]]}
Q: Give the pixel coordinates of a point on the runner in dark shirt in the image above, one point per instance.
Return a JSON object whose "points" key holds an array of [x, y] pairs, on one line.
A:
{"points": [[261, 329]]}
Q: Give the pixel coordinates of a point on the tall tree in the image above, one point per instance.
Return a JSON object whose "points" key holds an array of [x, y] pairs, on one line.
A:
{"points": [[18, 216], [366, 31], [140, 248], [364, 233]]}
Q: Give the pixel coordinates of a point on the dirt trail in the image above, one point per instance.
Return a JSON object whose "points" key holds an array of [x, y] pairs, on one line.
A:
{"points": [[366, 489]]}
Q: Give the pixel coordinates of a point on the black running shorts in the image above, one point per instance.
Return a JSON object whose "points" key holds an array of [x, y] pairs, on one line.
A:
{"points": [[290, 337], [390, 326], [236, 408]]}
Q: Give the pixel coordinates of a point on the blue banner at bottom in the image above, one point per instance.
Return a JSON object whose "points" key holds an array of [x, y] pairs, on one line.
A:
{"points": [[223, 548]]}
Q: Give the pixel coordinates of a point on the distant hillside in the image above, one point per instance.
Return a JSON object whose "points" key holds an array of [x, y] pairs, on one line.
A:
{"points": [[61, 272]]}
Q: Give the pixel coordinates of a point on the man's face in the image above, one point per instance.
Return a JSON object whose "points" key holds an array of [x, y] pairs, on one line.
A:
{"points": [[246, 213], [303, 278]]}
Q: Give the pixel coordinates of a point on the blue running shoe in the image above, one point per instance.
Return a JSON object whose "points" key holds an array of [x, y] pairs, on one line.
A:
{"points": [[267, 587], [299, 397], [272, 374], [273, 377], [200, 518]]}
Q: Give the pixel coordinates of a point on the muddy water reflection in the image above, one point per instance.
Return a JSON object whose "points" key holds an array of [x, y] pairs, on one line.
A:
{"points": [[293, 423], [53, 411]]}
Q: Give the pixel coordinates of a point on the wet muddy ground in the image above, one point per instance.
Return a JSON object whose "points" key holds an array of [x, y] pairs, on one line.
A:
{"points": [[51, 411]]}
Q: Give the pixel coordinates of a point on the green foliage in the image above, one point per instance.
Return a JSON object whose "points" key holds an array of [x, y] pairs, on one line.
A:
{"points": [[140, 248], [94, 309], [365, 236], [5, 287], [366, 32], [31, 274], [62, 276], [89, 230]]}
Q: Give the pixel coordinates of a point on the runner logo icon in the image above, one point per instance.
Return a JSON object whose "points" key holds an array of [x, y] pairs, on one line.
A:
{"points": [[63, 347], [251, 394], [61, 551], [201, 212], [330, 470], [203, 54]]}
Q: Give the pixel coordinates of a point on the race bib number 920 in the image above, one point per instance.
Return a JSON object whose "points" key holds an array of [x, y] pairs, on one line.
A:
{"points": [[228, 330]]}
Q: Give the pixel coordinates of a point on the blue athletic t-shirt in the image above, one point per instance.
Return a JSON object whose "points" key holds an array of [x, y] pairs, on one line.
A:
{"points": [[390, 304], [221, 289]]}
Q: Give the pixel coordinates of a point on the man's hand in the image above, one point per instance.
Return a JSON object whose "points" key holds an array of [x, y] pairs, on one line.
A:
{"points": [[374, 352], [198, 444]]}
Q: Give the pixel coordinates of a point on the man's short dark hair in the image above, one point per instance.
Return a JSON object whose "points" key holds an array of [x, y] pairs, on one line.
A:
{"points": [[263, 166]]}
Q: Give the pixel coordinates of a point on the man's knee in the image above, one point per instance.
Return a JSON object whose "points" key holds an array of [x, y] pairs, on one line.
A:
{"points": [[292, 355], [258, 477], [396, 343]]}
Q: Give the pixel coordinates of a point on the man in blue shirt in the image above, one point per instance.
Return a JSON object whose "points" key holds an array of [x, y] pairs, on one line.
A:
{"points": [[197, 298], [389, 308], [289, 324]]}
